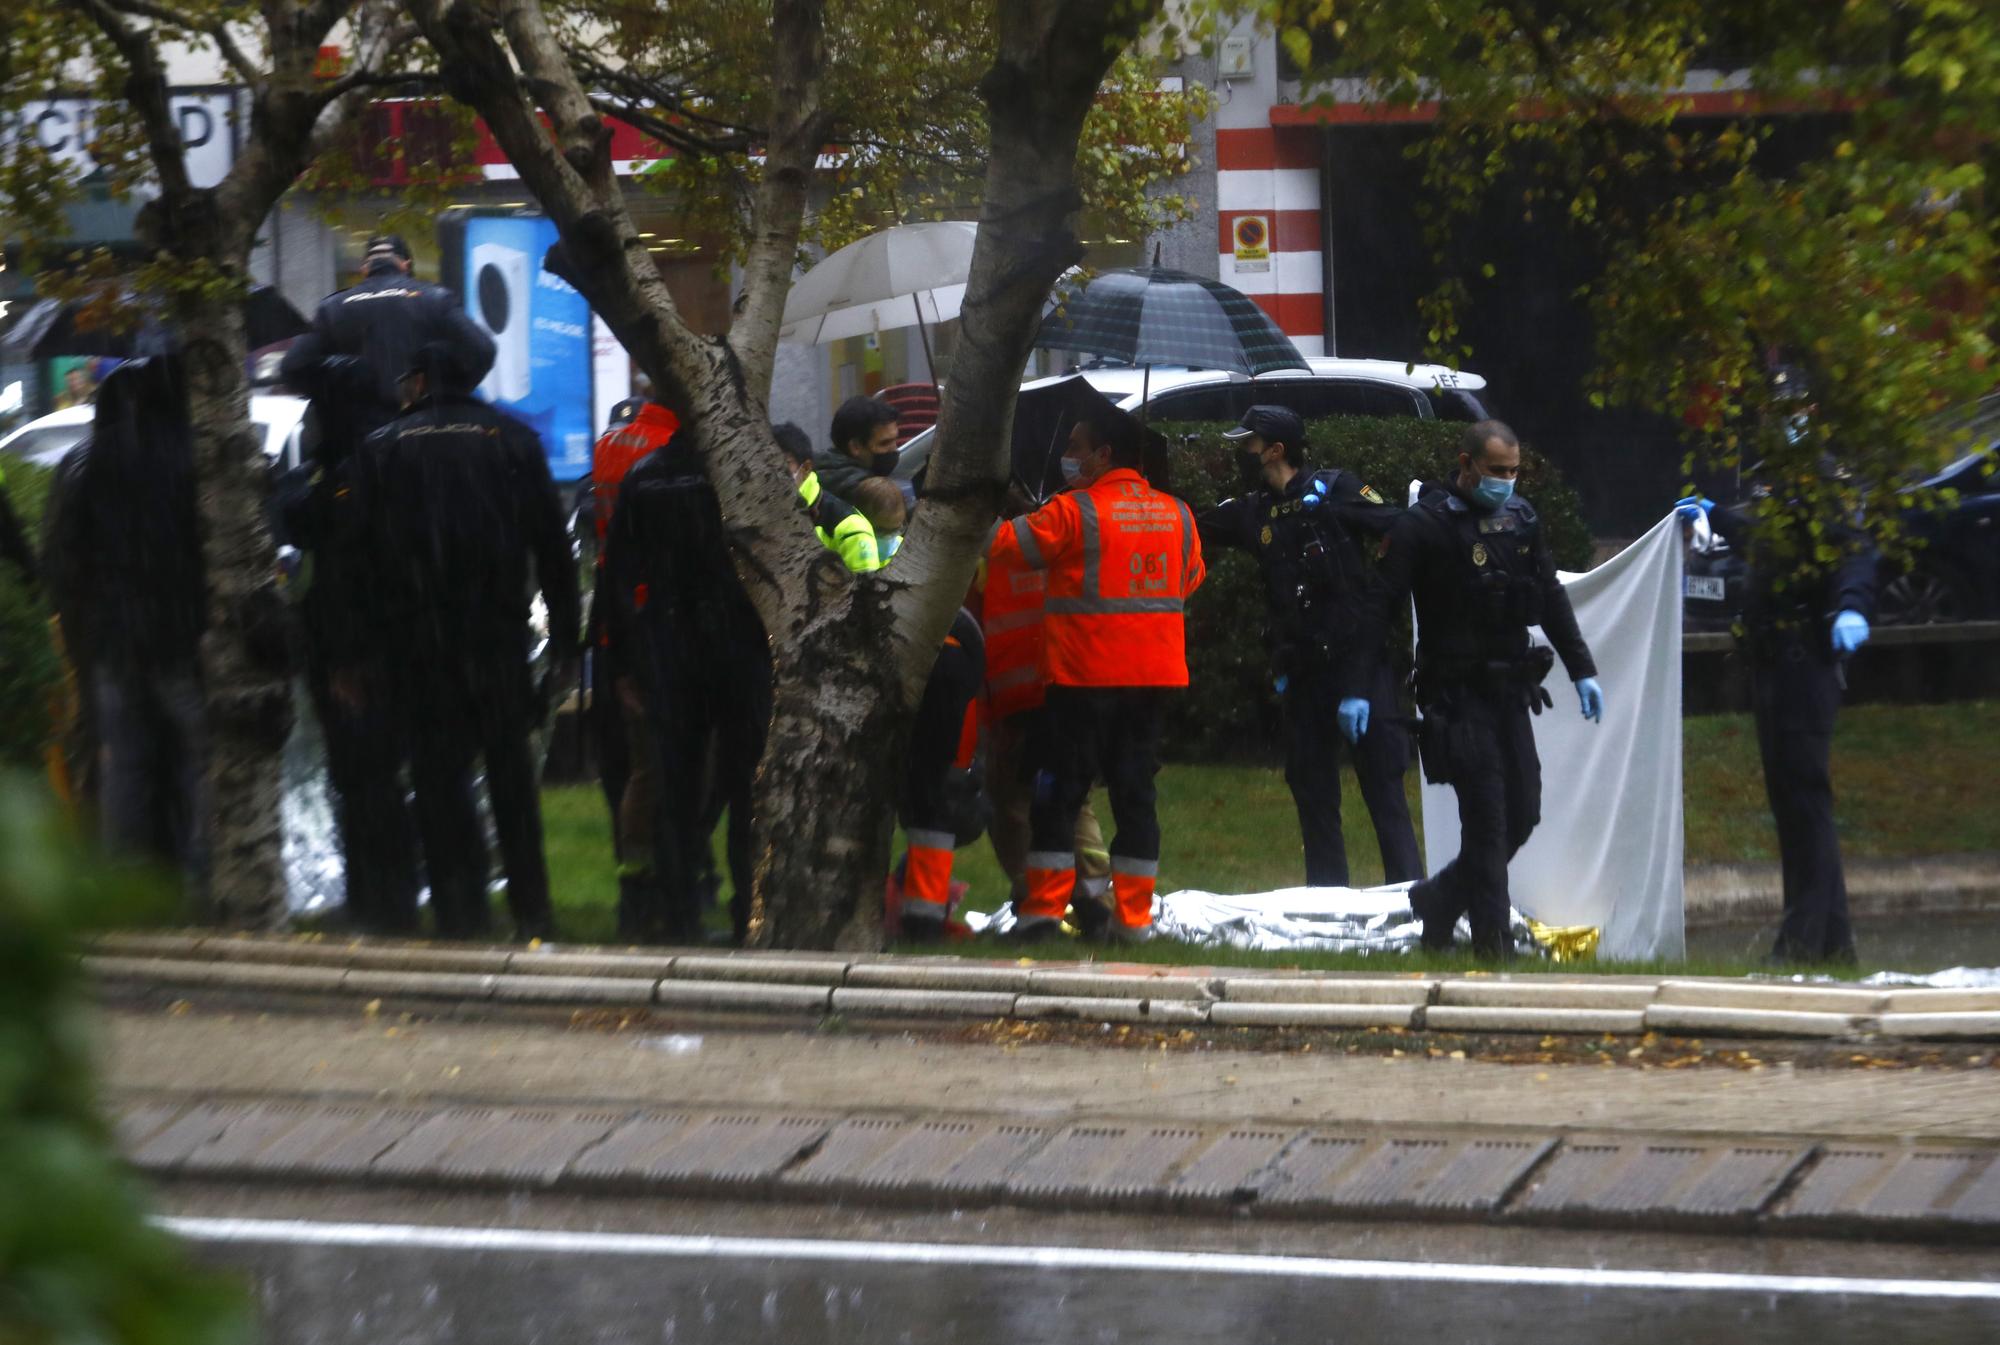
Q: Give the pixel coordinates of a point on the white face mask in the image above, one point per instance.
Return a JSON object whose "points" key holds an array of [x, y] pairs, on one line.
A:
{"points": [[887, 544], [1072, 471]]}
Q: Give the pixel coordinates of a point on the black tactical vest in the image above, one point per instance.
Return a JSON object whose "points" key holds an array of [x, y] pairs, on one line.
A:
{"points": [[1496, 559], [1312, 566]]}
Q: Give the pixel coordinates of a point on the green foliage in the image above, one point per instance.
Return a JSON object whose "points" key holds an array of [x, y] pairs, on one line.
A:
{"points": [[29, 668], [909, 140], [1230, 709], [1872, 265], [78, 1261]]}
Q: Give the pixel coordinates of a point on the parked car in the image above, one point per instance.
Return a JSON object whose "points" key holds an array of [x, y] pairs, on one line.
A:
{"points": [[1953, 574], [46, 440], [1332, 387]]}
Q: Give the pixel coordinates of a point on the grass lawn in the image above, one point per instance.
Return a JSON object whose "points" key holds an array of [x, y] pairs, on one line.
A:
{"points": [[1910, 780]]}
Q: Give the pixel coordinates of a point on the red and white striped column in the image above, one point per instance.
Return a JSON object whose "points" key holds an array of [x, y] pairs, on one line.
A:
{"points": [[1270, 236]]}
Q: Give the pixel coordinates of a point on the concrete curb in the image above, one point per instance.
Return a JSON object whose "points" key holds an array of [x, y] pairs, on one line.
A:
{"points": [[935, 988], [1325, 1170], [1737, 894]]}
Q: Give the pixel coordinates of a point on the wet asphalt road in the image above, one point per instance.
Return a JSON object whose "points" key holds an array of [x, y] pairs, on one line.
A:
{"points": [[322, 1283]]}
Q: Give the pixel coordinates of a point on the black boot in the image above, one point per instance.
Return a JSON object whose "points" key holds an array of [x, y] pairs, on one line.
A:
{"points": [[639, 908], [1429, 906]]}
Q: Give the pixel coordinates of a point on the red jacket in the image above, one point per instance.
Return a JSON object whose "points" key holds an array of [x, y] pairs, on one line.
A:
{"points": [[619, 449], [1121, 559]]}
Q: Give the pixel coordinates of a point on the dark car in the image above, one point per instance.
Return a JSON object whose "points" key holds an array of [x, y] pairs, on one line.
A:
{"points": [[1953, 574]]}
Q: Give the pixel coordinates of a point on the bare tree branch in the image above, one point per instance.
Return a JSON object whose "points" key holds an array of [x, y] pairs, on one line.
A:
{"points": [[215, 28], [344, 99], [146, 89], [799, 123], [660, 129], [367, 72]]}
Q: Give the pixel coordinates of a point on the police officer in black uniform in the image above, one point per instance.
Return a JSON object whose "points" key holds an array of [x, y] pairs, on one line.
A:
{"points": [[349, 362], [457, 503], [385, 320], [687, 632], [1473, 554], [1802, 619], [336, 590], [1304, 528]]}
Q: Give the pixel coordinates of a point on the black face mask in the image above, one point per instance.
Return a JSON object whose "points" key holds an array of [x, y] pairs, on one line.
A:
{"points": [[881, 464], [1249, 468]]}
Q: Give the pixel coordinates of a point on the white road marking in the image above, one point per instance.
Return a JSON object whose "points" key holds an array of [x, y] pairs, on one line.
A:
{"points": [[557, 1241]]}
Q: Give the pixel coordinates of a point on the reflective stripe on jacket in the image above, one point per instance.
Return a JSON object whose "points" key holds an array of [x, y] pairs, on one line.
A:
{"points": [[853, 540], [1011, 612], [1122, 559]]}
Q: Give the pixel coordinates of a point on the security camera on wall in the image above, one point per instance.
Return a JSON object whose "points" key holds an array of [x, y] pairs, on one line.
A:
{"points": [[502, 291]]}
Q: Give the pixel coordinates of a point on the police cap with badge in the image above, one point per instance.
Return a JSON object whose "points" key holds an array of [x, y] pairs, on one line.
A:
{"points": [[1272, 424]]}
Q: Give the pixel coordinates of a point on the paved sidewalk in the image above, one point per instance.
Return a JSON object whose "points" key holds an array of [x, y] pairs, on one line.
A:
{"points": [[901, 1122], [355, 1055]]}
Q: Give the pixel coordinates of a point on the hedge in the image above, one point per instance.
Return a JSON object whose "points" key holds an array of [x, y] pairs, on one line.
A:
{"points": [[30, 669], [1231, 709]]}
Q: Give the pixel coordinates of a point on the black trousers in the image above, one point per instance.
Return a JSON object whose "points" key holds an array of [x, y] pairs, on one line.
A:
{"points": [[1794, 695], [1312, 769], [708, 716], [365, 750], [1107, 733], [1497, 776], [934, 738], [608, 739], [469, 705]]}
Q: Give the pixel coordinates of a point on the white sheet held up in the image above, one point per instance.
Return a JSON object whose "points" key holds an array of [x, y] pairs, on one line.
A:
{"points": [[1608, 850]]}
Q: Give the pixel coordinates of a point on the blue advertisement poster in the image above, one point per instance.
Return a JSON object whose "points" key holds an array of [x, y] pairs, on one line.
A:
{"points": [[541, 335]]}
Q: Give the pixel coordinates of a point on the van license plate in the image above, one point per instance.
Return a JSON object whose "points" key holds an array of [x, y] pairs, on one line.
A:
{"points": [[1706, 586]]}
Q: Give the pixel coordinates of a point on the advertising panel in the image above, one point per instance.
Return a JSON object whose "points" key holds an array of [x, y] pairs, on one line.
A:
{"points": [[541, 329]]}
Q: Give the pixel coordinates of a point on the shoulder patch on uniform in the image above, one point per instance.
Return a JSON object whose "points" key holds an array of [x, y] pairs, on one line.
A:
{"points": [[1372, 495]]}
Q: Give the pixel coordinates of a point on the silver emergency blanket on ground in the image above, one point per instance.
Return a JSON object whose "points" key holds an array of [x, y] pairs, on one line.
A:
{"points": [[1609, 847], [1321, 919], [315, 875], [1953, 978]]}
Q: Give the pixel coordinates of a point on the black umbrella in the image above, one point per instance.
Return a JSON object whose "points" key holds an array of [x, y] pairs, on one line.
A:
{"points": [[1153, 315], [51, 328], [1043, 418]]}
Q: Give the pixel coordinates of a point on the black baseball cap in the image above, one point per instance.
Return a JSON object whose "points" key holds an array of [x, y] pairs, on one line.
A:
{"points": [[1275, 424]]}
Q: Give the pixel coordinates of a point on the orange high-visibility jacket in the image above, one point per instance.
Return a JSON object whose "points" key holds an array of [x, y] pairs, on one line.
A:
{"points": [[1122, 559], [1011, 615]]}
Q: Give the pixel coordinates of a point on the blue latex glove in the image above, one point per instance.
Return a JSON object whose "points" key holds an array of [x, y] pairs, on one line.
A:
{"points": [[1693, 507], [1353, 716], [1313, 499], [1850, 632], [1280, 683], [1592, 696]]}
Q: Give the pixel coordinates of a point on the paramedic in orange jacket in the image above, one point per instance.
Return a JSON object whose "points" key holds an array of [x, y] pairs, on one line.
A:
{"points": [[1122, 559]]}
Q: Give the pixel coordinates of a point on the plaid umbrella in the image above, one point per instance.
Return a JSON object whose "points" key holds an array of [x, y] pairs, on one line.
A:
{"points": [[1152, 315]]}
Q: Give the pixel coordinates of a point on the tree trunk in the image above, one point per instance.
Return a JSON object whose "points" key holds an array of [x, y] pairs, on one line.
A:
{"points": [[248, 695], [826, 793]]}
